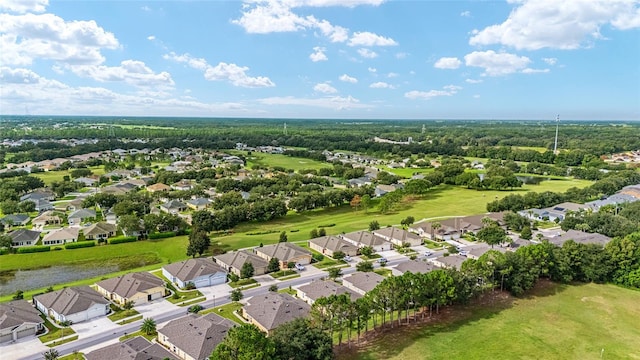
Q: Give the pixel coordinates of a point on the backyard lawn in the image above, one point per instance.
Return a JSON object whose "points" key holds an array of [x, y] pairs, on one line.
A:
{"points": [[586, 321]]}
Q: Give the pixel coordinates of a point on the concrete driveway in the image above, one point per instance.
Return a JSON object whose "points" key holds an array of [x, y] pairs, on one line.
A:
{"points": [[93, 327], [22, 348]]}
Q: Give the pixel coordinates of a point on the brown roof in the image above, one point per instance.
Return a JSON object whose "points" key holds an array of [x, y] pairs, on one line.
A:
{"points": [[274, 309], [16, 313], [71, 300], [365, 238], [130, 284], [193, 268], [158, 187], [333, 243], [236, 259], [396, 233], [197, 335], [137, 348], [284, 251], [320, 288]]}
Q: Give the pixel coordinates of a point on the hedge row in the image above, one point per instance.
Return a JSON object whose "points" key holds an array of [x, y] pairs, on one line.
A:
{"points": [[122, 239], [79, 244], [33, 249], [162, 235]]}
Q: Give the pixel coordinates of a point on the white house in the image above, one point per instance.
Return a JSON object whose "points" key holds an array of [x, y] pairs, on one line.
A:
{"points": [[74, 304], [200, 272]]}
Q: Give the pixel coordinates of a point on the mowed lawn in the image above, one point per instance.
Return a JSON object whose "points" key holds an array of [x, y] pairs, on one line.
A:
{"points": [[287, 162], [584, 322]]}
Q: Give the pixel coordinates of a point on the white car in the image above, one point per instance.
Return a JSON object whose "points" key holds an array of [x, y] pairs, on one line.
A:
{"points": [[463, 253], [347, 258], [300, 267], [382, 261], [428, 253]]}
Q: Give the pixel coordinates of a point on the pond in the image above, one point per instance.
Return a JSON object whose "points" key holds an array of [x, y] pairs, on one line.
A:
{"points": [[12, 281]]}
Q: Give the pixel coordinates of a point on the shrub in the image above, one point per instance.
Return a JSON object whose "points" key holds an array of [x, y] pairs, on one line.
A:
{"points": [[33, 249], [189, 286], [57, 248], [195, 308], [122, 239], [327, 225], [80, 244], [317, 257], [162, 235]]}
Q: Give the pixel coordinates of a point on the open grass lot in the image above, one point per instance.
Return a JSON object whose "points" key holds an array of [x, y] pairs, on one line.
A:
{"points": [[408, 172], [554, 322], [287, 162], [50, 176]]}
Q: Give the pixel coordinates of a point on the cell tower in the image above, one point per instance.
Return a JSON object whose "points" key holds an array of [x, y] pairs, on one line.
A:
{"points": [[555, 145], [424, 128], [285, 128]]}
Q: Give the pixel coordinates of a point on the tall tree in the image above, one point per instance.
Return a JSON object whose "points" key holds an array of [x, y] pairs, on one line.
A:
{"points": [[274, 265], [244, 342], [199, 242], [492, 234], [247, 270], [299, 340]]}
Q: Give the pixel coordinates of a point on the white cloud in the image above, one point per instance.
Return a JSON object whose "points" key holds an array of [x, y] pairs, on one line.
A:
{"points": [[145, 8], [449, 90], [538, 24], [550, 61], [496, 64], [372, 70], [381, 85], [473, 81], [333, 32], [232, 73], [447, 63], [465, 13], [476, 96], [392, 75], [367, 54], [24, 6], [151, 37], [318, 54], [326, 3], [347, 78], [366, 38], [535, 71], [28, 37], [325, 88], [402, 55], [332, 102], [131, 72]]}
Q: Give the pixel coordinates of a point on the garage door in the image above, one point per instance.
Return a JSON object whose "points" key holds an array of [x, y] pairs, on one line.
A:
{"points": [[26, 332], [201, 283], [6, 338]]}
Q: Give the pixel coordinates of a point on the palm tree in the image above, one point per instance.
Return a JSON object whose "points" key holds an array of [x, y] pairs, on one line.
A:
{"points": [[64, 325], [51, 354], [435, 226], [148, 326]]}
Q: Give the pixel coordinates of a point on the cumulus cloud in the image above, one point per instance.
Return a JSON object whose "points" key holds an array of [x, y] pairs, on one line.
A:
{"points": [[538, 24], [392, 75], [24, 6], [402, 55], [473, 81], [448, 90], [366, 38], [535, 71], [372, 70], [46, 36], [447, 63], [550, 61], [151, 37], [496, 64], [367, 54], [318, 54], [381, 85], [347, 78], [232, 73], [132, 72], [325, 88]]}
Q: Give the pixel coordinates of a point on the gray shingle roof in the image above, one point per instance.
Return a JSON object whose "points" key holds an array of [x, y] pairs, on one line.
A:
{"points": [[130, 284], [137, 348], [192, 268], [274, 309], [71, 300], [197, 335], [333, 243], [15, 219], [283, 251], [365, 238], [82, 214], [415, 266], [16, 313], [62, 234], [99, 228], [396, 233], [236, 259], [580, 237], [24, 235], [320, 288], [365, 281]]}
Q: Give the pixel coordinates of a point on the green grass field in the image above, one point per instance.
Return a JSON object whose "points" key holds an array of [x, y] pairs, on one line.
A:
{"points": [[555, 322], [408, 172], [50, 176], [274, 160]]}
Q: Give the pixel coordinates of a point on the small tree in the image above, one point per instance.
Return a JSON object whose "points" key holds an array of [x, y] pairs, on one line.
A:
{"points": [[313, 234], [274, 265], [247, 270], [339, 255], [195, 308], [51, 354], [355, 201], [291, 265], [233, 277], [236, 295], [19, 295], [374, 225], [365, 202], [283, 237], [334, 272], [364, 266], [273, 288], [526, 233], [408, 221], [366, 251], [148, 326], [128, 305], [322, 232]]}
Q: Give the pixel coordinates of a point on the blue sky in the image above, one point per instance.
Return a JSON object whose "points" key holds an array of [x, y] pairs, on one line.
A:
{"points": [[517, 59]]}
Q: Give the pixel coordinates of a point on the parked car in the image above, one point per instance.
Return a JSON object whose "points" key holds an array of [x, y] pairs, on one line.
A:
{"points": [[463, 253], [382, 261], [300, 267], [347, 258], [428, 253]]}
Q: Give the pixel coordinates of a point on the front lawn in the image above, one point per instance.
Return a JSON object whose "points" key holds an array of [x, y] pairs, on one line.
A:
{"points": [[54, 332], [383, 272], [226, 311], [242, 282], [119, 313], [282, 273]]}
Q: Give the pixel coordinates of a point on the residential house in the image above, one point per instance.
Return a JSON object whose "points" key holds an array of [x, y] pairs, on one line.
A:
{"points": [[39, 195], [475, 251], [173, 207], [15, 220], [552, 213], [139, 287], [452, 261], [199, 203], [200, 272], [24, 237], [45, 219], [324, 288], [74, 304], [42, 205], [99, 231], [136, 348], [118, 189], [73, 205], [398, 236], [87, 181], [110, 217], [82, 215], [615, 199], [365, 238], [455, 228], [362, 282], [158, 187], [61, 236], [329, 245], [182, 185], [285, 253], [234, 260], [381, 189], [272, 309], [580, 237], [194, 337], [18, 320], [415, 266]]}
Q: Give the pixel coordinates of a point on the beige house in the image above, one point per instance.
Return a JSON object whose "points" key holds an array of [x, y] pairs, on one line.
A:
{"points": [[285, 253], [362, 282], [74, 304], [194, 337], [61, 236], [452, 261], [324, 288], [234, 260], [140, 287], [398, 236], [158, 187], [365, 238], [45, 219], [137, 348], [271, 310], [18, 320], [99, 231], [328, 245]]}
